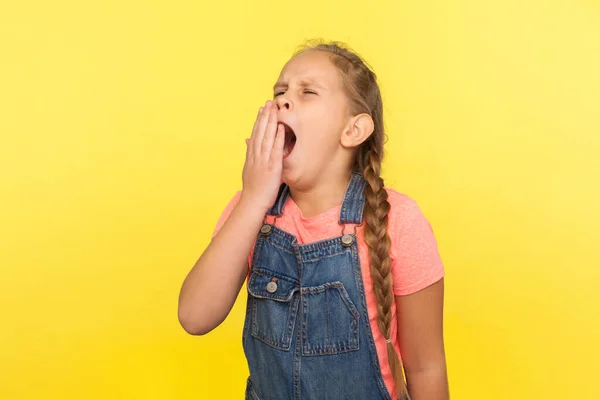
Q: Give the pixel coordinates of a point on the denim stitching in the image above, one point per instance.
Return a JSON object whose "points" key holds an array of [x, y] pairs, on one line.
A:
{"points": [[268, 272], [354, 325], [276, 343], [250, 391], [323, 257]]}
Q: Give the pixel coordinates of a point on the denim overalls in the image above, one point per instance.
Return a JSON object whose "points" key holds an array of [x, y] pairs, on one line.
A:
{"points": [[306, 332]]}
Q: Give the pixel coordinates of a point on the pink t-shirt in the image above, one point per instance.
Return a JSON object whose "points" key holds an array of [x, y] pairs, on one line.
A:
{"points": [[416, 262]]}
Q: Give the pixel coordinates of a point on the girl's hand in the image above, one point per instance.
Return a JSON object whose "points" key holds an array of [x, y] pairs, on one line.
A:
{"points": [[261, 176]]}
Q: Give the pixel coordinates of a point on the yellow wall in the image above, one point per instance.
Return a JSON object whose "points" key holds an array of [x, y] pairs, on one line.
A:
{"points": [[122, 137]]}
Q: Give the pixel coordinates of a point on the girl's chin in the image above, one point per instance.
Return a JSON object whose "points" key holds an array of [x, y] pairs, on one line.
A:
{"points": [[289, 175]]}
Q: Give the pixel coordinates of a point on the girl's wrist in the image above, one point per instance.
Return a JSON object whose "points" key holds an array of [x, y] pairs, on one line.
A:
{"points": [[252, 204]]}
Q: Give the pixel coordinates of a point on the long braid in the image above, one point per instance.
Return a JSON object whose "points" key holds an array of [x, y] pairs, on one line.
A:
{"points": [[376, 236], [361, 85]]}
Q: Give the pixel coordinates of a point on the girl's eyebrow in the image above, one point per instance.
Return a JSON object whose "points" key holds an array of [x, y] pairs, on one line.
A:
{"points": [[302, 83]]}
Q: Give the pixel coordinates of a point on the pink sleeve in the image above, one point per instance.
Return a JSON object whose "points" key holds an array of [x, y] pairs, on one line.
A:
{"points": [[226, 212], [416, 262]]}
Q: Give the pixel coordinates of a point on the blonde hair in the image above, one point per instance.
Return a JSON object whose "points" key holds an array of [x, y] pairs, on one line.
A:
{"points": [[360, 84]]}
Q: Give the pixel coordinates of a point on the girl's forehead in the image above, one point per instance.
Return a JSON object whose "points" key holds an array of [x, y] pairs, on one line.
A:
{"points": [[311, 66]]}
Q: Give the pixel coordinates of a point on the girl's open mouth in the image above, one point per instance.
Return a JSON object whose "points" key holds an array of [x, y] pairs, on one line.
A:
{"points": [[290, 140]]}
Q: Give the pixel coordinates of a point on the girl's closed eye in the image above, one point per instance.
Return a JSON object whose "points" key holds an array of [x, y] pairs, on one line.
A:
{"points": [[305, 92]]}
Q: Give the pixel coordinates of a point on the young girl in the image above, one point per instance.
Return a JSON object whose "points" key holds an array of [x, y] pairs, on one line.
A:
{"points": [[343, 273]]}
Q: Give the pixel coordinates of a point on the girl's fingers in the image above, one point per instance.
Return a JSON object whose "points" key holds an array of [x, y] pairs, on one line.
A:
{"points": [[256, 122], [277, 153], [260, 130], [249, 146], [248, 149], [269, 138]]}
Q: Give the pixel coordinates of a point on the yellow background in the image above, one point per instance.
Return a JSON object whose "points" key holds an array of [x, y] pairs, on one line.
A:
{"points": [[122, 138]]}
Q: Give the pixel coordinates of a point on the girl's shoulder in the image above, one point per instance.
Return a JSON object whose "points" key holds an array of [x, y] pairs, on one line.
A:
{"points": [[404, 211], [400, 203]]}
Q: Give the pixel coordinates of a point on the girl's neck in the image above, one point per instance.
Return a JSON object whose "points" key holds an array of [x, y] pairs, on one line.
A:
{"points": [[327, 193]]}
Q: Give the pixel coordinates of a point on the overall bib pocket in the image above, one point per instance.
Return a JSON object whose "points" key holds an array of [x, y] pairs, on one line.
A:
{"points": [[330, 320], [274, 307]]}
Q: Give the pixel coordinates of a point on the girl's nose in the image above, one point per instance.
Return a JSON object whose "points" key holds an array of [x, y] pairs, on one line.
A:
{"points": [[283, 103]]}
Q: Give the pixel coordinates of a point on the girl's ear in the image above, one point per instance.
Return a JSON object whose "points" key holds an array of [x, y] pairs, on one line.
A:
{"points": [[359, 128]]}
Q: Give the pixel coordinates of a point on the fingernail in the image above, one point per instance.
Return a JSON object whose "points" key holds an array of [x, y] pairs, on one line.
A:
{"points": [[260, 109]]}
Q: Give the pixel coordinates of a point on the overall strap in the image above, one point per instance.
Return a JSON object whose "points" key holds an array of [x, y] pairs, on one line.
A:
{"points": [[354, 200], [277, 209]]}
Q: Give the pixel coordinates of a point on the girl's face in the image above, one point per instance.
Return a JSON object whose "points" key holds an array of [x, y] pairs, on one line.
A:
{"points": [[313, 107]]}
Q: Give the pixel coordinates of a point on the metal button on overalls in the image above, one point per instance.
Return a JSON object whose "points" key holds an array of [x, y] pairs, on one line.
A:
{"points": [[271, 287], [266, 229], [347, 240]]}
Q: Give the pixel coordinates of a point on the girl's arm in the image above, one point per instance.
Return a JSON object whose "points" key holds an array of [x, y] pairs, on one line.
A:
{"points": [[420, 334], [211, 287]]}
